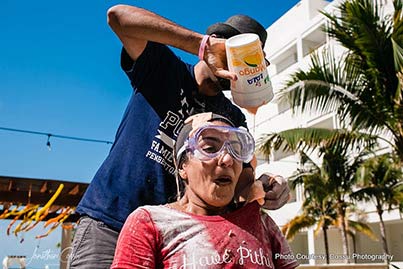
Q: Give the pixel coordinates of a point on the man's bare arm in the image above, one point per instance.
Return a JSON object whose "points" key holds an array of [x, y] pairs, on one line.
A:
{"points": [[136, 26]]}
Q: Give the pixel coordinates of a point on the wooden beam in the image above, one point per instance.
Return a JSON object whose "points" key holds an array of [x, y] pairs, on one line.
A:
{"points": [[39, 198]]}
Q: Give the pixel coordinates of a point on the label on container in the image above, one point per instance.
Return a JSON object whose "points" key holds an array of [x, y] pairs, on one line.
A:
{"points": [[246, 59]]}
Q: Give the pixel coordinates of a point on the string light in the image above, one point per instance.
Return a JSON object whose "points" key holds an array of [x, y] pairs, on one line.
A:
{"points": [[55, 135], [48, 143]]}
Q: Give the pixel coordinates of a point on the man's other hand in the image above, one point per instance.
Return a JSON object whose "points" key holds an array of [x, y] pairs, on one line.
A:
{"points": [[277, 191]]}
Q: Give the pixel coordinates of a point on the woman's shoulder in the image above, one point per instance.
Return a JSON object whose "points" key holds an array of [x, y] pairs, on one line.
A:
{"points": [[150, 209], [159, 213]]}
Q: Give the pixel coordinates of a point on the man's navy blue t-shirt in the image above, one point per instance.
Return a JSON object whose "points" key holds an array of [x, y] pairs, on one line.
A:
{"points": [[139, 169]]}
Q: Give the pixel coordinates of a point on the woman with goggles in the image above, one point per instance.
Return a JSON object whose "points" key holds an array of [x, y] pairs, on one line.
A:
{"points": [[202, 229]]}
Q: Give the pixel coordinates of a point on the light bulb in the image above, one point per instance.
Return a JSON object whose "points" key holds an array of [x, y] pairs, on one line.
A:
{"points": [[48, 143]]}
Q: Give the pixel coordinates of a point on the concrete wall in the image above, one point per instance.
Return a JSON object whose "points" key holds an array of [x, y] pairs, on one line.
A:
{"points": [[394, 234]]}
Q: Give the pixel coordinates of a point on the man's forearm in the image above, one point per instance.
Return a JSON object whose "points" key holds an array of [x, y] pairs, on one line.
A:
{"points": [[137, 23], [136, 26]]}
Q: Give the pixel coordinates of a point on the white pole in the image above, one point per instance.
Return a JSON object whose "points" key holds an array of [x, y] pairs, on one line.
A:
{"points": [[65, 246]]}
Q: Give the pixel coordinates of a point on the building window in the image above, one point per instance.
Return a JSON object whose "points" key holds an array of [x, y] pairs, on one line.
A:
{"points": [[313, 41], [285, 59]]}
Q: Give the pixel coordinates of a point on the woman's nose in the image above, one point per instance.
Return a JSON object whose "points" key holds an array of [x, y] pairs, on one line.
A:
{"points": [[225, 159]]}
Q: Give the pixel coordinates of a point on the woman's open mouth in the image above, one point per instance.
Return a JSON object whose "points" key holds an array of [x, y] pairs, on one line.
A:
{"points": [[221, 181]]}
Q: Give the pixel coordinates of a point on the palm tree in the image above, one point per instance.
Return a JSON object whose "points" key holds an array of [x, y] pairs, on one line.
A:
{"points": [[314, 212], [319, 207], [353, 227], [338, 168], [363, 84], [381, 181]]}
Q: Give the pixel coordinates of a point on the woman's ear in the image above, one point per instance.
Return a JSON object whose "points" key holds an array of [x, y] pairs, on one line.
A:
{"points": [[182, 173]]}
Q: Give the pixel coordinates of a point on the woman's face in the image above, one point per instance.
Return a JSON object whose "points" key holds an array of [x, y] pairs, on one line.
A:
{"points": [[212, 182]]}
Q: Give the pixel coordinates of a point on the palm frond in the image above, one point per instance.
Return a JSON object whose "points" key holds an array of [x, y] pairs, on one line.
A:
{"points": [[398, 60], [364, 194], [397, 34], [380, 178], [319, 226], [362, 228], [297, 224], [397, 56], [308, 139], [325, 86], [306, 160]]}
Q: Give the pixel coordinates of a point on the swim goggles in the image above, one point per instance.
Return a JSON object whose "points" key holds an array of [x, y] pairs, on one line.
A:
{"points": [[210, 141]]}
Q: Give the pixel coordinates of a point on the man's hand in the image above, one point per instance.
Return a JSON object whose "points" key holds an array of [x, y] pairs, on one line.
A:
{"points": [[277, 191], [216, 58]]}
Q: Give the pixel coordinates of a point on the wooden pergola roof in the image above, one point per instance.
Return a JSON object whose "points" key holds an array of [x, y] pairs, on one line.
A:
{"points": [[17, 190]]}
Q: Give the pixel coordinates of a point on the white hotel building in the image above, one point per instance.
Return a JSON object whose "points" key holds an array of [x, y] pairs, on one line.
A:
{"points": [[290, 41]]}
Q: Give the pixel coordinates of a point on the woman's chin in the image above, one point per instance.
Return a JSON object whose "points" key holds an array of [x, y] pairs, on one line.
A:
{"points": [[221, 200]]}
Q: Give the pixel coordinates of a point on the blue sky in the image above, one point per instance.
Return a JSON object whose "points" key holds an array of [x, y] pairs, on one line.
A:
{"points": [[60, 74]]}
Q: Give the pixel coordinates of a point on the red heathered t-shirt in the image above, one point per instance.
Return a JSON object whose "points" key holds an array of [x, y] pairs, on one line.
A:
{"points": [[161, 237]]}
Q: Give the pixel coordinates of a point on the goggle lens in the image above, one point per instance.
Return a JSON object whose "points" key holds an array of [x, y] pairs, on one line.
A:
{"points": [[211, 141]]}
